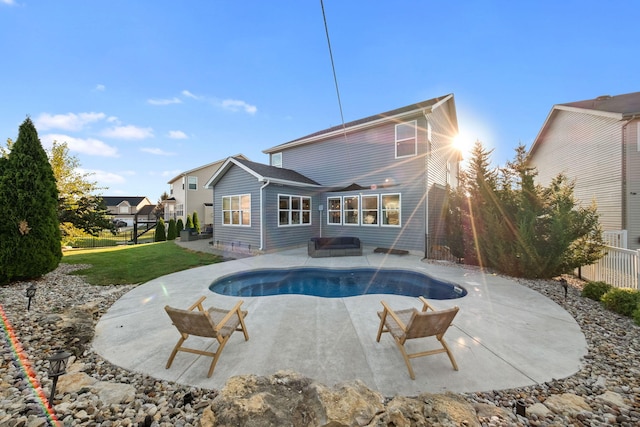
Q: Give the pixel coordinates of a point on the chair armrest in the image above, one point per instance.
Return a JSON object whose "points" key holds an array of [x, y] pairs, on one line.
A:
{"points": [[425, 304], [198, 304], [225, 319], [394, 316]]}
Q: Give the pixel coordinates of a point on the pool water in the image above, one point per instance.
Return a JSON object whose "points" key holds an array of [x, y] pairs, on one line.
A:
{"points": [[335, 283]]}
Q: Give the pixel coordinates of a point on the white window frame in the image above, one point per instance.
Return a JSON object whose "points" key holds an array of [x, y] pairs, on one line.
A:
{"points": [[353, 212], [243, 214], [291, 213], [192, 181], [385, 210], [331, 209], [374, 221], [276, 159], [407, 140]]}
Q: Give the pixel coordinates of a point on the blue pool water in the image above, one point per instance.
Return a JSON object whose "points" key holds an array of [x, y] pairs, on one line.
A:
{"points": [[335, 283]]}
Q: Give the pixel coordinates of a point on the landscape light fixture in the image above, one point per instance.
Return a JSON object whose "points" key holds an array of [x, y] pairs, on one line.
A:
{"points": [[31, 292], [57, 367]]}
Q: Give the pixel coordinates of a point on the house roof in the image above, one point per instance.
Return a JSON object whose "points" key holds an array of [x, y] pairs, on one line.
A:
{"points": [[217, 162], [365, 122], [146, 209], [619, 107], [263, 173], [116, 200], [627, 104]]}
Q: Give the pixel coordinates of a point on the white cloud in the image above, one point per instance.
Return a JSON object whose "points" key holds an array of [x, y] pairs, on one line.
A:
{"points": [[128, 132], [90, 146], [177, 134], [69, 122], [100, 88], [113, 119], [157, 151], [103, 177], [9, 2], [237, 105], [189, 94], [173, 100], [171, 173]]}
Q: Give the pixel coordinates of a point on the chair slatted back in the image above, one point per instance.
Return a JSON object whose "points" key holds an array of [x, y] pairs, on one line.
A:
{"points": [[193, 322], [430, 323]]}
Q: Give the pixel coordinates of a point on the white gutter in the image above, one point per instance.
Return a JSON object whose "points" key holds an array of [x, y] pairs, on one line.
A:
{"points": [[267, 182]]}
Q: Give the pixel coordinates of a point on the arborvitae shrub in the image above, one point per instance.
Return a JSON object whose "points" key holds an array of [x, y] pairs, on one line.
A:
{"points": [[196, 222], [595, 290], [29, 226], [179, 226], [621, 301], [172, 231], [161, 234], [189, 224]]}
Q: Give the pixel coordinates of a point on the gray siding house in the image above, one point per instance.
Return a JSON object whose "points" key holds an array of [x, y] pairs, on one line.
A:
{"points": [[596, 142], [382, 179]]}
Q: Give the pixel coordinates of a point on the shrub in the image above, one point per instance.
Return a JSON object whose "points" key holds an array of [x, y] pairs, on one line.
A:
{"points": [[621, 301], [196, 222], [595, 290], [189, 223], [636, 315], [161, 234], [179, 226], [172, 231]]}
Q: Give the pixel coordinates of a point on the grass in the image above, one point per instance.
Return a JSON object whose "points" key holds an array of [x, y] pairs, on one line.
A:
{"points": [[135, 264]]}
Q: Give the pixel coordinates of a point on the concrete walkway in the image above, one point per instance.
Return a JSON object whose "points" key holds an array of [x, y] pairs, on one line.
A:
{"points": [[504, 336]]}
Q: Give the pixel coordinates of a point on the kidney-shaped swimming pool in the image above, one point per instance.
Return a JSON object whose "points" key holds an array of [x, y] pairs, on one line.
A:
{"points": [[335, 283]]}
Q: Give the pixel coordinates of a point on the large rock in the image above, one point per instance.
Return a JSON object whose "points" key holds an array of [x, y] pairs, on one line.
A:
{"points": [[289, 399], [567, 404]]}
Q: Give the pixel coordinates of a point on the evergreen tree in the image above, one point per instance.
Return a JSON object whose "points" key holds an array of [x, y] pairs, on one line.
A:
{"points": [[161, 234], [172, 231], [196, 222], [29, 227], [189, 224], [179, 226]]}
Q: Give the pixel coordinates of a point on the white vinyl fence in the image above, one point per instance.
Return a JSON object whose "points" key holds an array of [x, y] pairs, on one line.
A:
{"points": [[619, 268]]}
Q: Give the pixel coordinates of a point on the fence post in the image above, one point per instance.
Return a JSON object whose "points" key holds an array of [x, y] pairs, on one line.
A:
{"points": [[637, 265]]}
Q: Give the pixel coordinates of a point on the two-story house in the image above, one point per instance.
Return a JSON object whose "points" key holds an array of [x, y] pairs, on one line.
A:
{"points": [[187, 194], [382, 179], [128, 209], [596, 142]]}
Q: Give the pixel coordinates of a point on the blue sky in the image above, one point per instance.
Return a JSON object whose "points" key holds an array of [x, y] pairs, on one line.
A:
{"points": [[143, 90]]}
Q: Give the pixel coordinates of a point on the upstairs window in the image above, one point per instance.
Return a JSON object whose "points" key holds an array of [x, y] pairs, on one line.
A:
{"points": [[276, 160], [334, 210], [294, 210], [407, 139], [193, 183], [236, 210]]}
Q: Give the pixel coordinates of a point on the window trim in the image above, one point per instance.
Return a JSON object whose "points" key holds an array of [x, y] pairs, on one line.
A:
{"points": [[240, 211], [363, 209], [403, 140], [345, 210], [329, 210], [290, 210], [195, 184], [273, 157], [398, 209]]}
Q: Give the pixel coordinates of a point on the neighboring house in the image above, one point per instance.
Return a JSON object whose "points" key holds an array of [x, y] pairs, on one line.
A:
{"points": [[596, 143], [127, 208], [187, 194], [382, 179]]}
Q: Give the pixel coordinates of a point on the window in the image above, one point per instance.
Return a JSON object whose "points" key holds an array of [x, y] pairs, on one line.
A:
{"points": [[406, 139], [236, 210], [370, 210], [294, 210], [390, 210], [193, 183], [334, 210], [124, 209], [351, 207], [179, 210], [276, 160], [171, 190]]}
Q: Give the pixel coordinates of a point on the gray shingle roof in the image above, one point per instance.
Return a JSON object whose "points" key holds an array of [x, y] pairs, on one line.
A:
{"points": [[627, 104], [272, 172]]}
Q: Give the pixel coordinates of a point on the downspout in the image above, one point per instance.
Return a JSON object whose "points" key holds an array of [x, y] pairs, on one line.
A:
{"points": [[625, 196], [426, 188], [267, 182]]}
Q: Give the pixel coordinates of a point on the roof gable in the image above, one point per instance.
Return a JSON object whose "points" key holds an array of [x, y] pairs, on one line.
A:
{"points": [[263, 173], [217, 164], [117, 200]]}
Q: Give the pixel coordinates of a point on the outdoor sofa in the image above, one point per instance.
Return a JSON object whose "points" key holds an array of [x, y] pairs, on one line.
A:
{"points": [[319, 247]]}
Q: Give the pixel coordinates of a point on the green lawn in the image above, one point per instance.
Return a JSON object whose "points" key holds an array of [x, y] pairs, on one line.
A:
{"points": [[135, 264]]}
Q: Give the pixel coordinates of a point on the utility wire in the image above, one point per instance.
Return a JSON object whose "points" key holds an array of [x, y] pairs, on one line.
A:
{"points": [[333, 67]]}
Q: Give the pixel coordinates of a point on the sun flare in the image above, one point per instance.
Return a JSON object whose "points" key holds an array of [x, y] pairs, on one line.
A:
{"points": [[463, 144]]}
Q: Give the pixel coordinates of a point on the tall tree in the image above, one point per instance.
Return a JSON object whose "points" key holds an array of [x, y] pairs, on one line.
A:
{"points": [[29, 227], [158, 211], [196, 222], [80, 209]]}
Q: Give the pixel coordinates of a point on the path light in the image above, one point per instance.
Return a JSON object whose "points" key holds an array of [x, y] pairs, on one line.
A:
{"points": [[31, 292], [57, 367]]}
